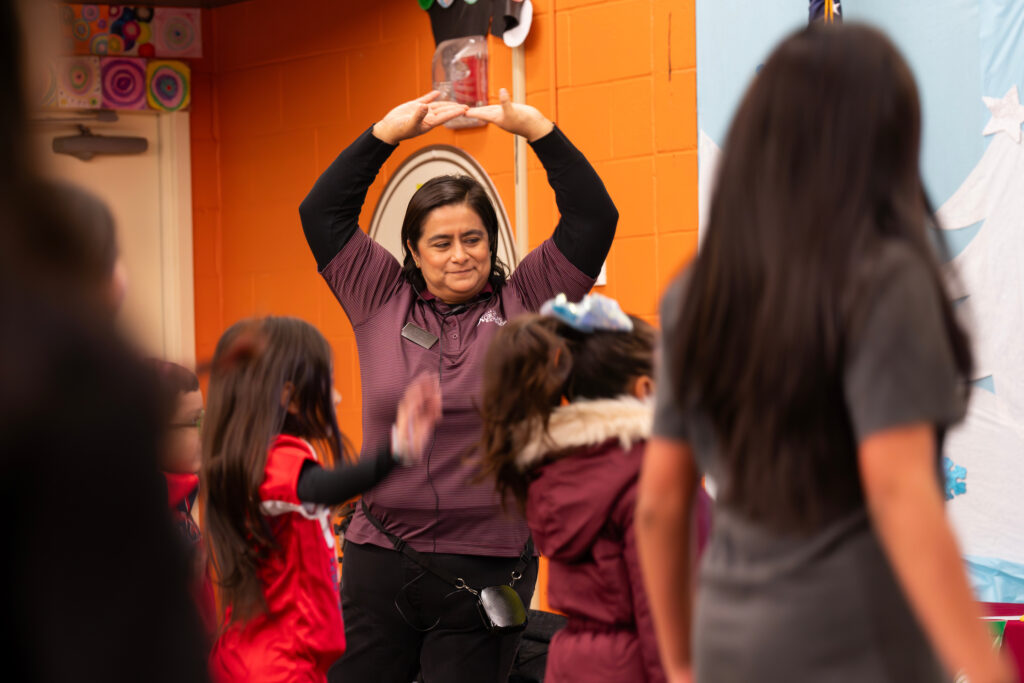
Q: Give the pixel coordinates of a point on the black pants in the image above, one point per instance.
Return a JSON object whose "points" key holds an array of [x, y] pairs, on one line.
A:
{"points": [[401, 620]]}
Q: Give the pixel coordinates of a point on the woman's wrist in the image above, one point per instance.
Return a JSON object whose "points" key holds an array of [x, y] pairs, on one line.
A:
{"points": [[539, 129], [381, 132]]}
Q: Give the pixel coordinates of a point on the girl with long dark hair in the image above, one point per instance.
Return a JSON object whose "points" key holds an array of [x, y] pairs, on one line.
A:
{"points": [[811, 365], [268, 499], [565, 419]]}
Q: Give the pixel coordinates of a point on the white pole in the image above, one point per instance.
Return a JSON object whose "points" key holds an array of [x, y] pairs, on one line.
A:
{"points": [[522, 203]]}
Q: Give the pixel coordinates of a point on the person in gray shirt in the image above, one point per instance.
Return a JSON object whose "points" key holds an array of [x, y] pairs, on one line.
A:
{"points": [[810, 365]]}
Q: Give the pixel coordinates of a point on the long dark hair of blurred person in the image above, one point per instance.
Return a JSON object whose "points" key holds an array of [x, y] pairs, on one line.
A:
{"points": [[811, 365], [93, 586]]}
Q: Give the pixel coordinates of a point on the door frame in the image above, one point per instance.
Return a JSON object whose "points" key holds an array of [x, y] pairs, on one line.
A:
{"points": [[178, 291]]}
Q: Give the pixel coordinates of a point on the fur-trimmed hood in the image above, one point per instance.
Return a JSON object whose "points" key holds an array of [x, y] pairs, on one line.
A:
{"points": [[589, 423], [584, 473]]}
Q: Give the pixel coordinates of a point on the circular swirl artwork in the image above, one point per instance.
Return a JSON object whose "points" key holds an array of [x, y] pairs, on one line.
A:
{"points": [[124, 83], [78, 84], [168, 85], [176, 33]]}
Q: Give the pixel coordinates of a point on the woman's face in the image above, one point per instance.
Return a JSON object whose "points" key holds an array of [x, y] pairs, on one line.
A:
{"points": [[184, 448], [453, 253]]}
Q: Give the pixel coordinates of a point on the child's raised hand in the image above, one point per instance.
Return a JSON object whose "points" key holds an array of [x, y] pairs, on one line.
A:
{"points": [[418, 414]]}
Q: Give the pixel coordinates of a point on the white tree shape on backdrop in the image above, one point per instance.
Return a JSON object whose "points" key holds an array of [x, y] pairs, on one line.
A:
{"points": [[989, 272]]}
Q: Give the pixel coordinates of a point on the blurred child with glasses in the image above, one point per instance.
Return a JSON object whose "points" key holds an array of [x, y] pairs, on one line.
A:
{"points": [[180, 459]]}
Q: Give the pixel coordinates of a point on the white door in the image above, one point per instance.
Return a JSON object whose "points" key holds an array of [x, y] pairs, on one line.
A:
{"points": [[149, 195]]}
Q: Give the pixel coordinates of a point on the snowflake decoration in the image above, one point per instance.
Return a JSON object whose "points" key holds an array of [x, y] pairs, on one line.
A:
{"points": [[956, 484]]}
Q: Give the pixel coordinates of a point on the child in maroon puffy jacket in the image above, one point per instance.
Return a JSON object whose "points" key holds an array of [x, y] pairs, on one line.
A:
{"points": [[566, 415]]}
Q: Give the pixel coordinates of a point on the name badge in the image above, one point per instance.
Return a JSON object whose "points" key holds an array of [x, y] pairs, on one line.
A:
{"points": [[418, 335]]}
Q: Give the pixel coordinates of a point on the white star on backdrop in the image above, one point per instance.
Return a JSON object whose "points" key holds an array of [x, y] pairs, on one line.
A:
{"points": [[1007, 114]]}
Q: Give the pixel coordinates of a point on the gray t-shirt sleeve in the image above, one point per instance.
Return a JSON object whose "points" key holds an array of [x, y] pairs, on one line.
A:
{"points": [[899, 365], [670, 421]]}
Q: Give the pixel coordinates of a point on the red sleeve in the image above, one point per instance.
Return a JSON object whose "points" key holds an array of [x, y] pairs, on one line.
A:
{"points": [[284, 463], [363, 277], [641, 607]]}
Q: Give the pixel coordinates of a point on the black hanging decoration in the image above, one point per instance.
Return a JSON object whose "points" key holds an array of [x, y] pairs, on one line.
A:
{"points": [[461, 18]]}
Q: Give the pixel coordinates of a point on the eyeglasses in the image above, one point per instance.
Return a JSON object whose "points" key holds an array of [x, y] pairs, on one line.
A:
{"points": [[197, 423]]}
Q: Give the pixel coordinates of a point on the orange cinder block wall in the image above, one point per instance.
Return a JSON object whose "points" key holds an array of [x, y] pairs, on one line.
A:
{"points": [[284, 87]]}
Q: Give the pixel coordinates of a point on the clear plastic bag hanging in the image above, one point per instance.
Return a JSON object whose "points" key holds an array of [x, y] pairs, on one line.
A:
{"points": [[459, 73]]}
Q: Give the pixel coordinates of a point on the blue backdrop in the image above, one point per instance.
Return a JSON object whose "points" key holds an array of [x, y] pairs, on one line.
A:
{"points": [[960, 51]]}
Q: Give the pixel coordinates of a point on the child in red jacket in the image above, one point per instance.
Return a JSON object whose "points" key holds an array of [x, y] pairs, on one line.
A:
{"points": [[566, 417], [268, 499]]}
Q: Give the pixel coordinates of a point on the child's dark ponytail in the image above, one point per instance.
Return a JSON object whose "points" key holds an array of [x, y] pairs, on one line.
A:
{"points": [[525, 373], [534, 363]]}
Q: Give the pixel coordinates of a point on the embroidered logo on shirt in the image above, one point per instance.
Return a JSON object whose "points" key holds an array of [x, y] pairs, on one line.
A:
{"points": [[492, 317]]}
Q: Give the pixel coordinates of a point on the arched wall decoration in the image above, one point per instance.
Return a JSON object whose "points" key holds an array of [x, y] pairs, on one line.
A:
{"points": [[427, 163]]}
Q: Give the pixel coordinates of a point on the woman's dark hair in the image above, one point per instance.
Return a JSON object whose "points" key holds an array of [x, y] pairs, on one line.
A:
{"points": [[531, 365], [819, 172], [253, 365], [444, 191]]}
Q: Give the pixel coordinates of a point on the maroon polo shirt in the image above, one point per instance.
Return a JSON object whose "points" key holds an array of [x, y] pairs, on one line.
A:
{"points": [[435, 505]]}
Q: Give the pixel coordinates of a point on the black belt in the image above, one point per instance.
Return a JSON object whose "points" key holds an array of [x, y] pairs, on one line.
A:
{"points": [[440, 572]]}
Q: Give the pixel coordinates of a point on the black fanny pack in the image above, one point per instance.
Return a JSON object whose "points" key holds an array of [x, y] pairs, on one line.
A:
{"points": [[501, 608]]}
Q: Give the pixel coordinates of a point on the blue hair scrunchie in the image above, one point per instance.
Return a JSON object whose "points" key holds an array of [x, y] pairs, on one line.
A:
{"points": [[593, 312]]}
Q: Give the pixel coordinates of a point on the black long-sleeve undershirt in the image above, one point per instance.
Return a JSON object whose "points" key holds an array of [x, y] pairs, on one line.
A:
{"points": [[585, 229], [332, 486]]}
